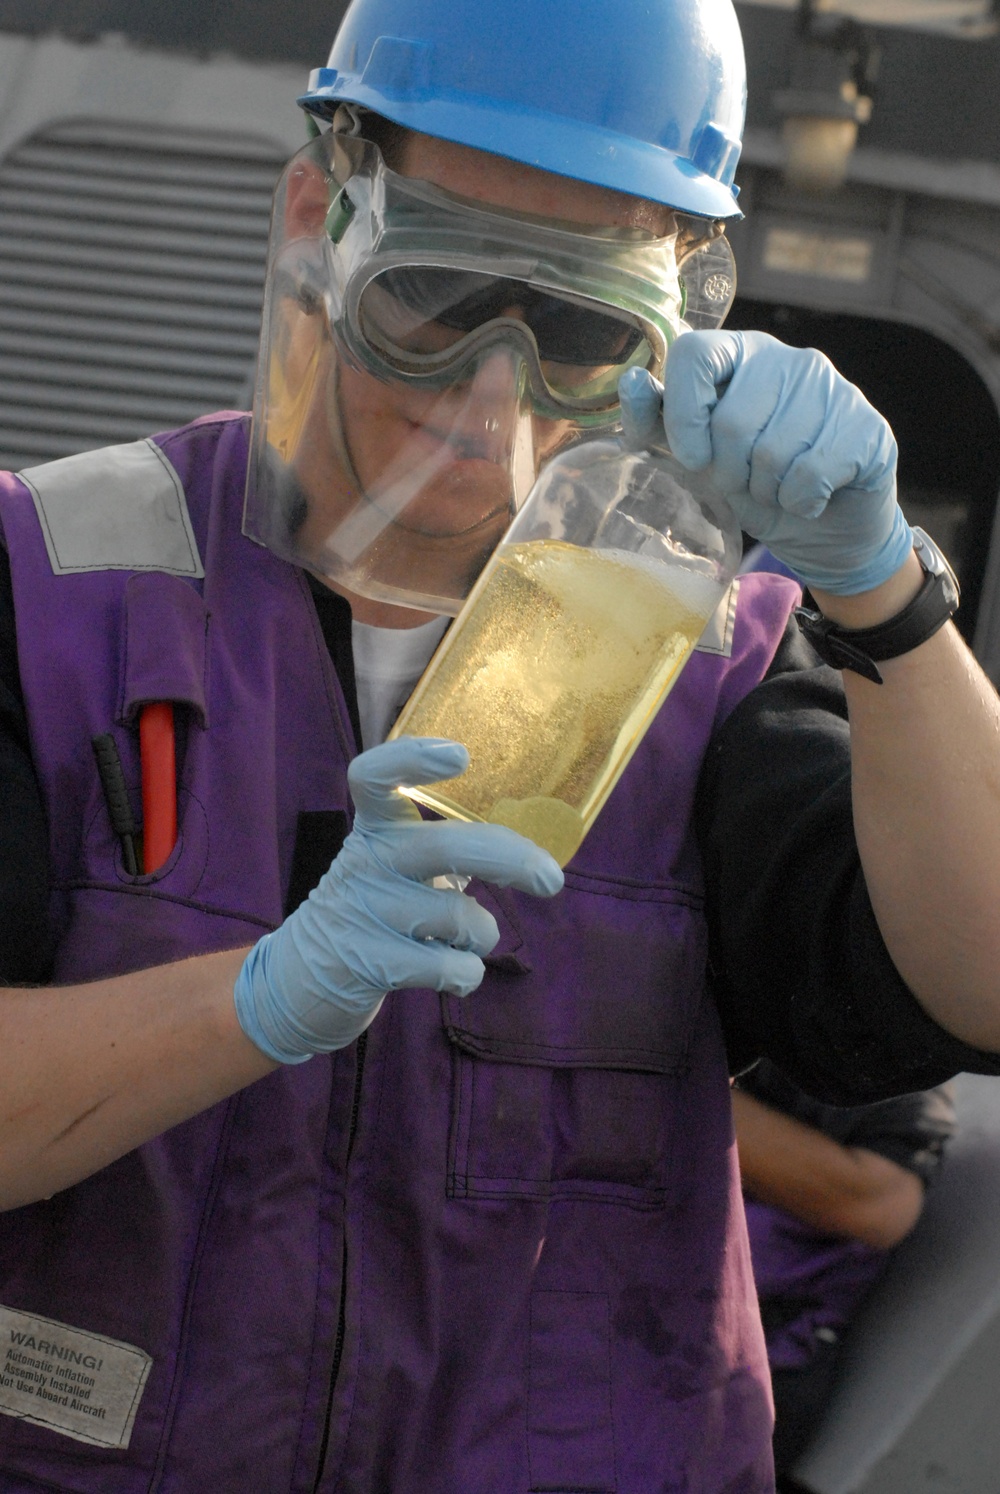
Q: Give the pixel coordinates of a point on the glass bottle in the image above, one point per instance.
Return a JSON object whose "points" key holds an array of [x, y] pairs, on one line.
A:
{"points": [[571, 639]]}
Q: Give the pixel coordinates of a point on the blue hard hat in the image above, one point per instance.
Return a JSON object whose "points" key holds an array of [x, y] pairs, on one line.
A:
{"points": [[645, 96]]}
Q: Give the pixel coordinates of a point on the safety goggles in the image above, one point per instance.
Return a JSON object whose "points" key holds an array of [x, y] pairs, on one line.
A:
{"points": [[429, 278], [416, 316]]}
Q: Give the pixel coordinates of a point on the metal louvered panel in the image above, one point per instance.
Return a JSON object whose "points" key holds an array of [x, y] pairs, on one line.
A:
{"points": [[131, 272]]}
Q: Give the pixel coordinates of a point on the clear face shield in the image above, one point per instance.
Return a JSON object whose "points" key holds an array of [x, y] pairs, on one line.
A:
{"points": [[422, 357]]}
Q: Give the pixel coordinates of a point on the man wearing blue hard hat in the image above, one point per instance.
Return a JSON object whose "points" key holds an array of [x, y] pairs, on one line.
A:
{"points": [[484, 1233]]}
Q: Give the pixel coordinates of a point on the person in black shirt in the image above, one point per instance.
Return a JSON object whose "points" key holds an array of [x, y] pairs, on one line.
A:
{"points": [[830, 1191]]}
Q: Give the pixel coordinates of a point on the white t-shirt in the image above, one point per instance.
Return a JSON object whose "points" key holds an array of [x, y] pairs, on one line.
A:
{"points": [[387, 664]]}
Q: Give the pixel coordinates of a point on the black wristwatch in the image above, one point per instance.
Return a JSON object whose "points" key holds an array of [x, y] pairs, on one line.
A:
{"points": [[861, 649]]}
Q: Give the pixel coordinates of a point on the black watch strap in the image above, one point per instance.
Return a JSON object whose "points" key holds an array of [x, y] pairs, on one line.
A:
{"points": [[862, 649]]}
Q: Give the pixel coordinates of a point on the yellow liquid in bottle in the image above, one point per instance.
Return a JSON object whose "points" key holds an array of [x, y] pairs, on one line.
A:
{"points": [[556, 668]]}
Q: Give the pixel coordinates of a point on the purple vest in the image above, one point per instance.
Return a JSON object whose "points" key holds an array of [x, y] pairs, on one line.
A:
{"points": [[516, 1226]]}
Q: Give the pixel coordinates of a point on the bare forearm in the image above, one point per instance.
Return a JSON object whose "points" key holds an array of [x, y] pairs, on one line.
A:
{"points": [[838, 1189], [925, 751], [89, 1072]]}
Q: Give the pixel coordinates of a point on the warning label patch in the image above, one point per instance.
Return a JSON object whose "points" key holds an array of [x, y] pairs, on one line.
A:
{"points": [[81, 1384]]}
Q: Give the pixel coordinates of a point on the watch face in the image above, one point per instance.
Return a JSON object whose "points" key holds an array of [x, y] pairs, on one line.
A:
{"points": [[935, 562]]}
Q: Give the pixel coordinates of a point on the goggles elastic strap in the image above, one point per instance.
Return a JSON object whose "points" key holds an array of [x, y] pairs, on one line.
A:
{"points": [[339, 215]]}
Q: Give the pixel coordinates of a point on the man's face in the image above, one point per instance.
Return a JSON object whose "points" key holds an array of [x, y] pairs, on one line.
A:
{"points": [[465, 441]]}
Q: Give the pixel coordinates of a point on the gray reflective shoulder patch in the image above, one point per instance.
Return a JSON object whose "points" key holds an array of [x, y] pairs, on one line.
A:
{"points": [[118, 509], [718, 635], [81, 1384]]}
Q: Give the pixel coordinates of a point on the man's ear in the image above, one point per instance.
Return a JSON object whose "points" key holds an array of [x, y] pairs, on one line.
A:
{"points": [[307, 200]]}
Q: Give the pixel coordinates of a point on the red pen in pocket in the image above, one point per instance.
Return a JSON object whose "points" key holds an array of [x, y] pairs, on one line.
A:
{"points": [[159, 783]]}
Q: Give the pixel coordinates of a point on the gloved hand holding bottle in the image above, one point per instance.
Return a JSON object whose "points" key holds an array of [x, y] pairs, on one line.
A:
{"points": [[808, 466], [374, 924]]}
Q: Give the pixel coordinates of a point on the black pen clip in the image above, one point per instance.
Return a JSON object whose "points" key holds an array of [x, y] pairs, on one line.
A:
{"points": [[109, 766]]}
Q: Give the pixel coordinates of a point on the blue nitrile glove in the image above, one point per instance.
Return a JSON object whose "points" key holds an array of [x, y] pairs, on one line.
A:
{"points": [[808, 466], [373, 924]]}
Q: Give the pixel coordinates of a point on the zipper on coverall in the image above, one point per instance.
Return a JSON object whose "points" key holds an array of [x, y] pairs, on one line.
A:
{"points": [[338, 1347]]}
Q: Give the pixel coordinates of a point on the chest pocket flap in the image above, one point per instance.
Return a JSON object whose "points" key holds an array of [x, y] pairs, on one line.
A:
{"points": [[568, 1061], [165, 655], [606, 975]]}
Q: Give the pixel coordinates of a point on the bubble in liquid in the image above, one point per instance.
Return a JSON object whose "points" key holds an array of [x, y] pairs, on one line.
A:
{"points": [[550, 823]]}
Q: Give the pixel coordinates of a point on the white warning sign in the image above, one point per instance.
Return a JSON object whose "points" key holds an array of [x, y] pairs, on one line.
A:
{"points": [[81, 1384]]}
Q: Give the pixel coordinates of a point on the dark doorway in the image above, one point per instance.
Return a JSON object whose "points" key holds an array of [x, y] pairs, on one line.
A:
{"points": [[946, 423]]}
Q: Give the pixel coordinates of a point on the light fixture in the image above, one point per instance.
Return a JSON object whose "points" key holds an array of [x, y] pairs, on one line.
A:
{"points": [[832, 71], [967, 20]]}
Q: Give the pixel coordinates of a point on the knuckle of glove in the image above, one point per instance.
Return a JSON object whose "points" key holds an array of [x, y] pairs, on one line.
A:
{"points": [[460, 972], [371, 776], [448, 918], [877, 473], [806, 487], [806, 368], [426, 964], [733, 433], [471, 927]]}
